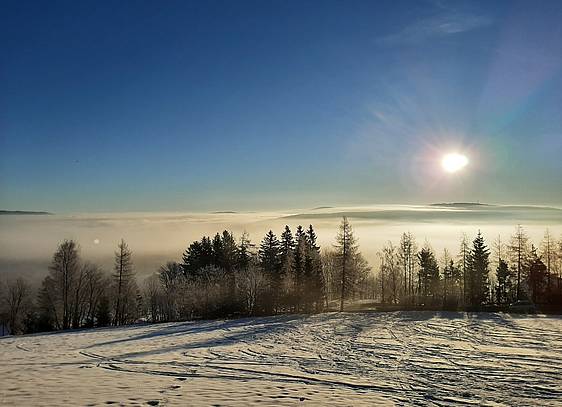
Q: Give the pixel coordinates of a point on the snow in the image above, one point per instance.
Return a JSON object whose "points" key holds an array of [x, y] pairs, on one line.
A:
{"points": [[398, 358]]}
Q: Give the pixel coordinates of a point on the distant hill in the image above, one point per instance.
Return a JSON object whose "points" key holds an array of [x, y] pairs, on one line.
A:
{"points": [[459, 204], [2, 212]]}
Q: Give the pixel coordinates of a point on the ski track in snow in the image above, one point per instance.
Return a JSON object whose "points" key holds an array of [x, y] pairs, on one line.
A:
{"points": [[400, 358]]}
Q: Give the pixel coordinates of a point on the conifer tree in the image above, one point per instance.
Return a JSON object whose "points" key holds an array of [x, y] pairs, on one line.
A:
{"points": [[217, 250], [193, 260], [346, 250], [464, 263], [299, 262], [428, 275], [271, 265], [503, 283], [286, 254], [244, 252], [316, 274], [479, 269], [287, 242]]}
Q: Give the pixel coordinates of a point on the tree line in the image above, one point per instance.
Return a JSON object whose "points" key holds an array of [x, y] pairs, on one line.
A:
{"points": [[226, 277], [480, 274]]}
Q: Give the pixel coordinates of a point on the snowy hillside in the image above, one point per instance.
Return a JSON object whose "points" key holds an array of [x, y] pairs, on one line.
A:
{"points": [[400, 358]]}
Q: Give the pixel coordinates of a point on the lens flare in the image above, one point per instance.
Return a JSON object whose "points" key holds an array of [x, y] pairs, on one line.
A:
{"points": [[454, 162]]}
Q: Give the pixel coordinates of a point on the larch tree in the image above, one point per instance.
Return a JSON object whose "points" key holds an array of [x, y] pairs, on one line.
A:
{"points": [[391, 270], [547, 254], [447, 274], [406, 254], [346, 248], [464, 261], [123, 277], [519, 251]]}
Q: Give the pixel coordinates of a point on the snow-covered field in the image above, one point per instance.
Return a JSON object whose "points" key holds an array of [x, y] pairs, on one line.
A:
{"points": [[404, 358]]}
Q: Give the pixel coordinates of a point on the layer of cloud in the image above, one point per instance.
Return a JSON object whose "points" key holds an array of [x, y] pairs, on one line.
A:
{"points": [[28, 241]]}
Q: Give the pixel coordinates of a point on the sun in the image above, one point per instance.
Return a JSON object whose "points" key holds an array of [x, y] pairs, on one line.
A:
{"points": [[454, 162]]}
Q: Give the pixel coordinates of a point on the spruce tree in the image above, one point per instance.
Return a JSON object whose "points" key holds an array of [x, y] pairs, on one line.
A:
{"points": [[428, 275], [479, 269], [502, 288], [244, 252], [286, 253], [270, 263], [217, 250], [299, 260], [316, 273]]}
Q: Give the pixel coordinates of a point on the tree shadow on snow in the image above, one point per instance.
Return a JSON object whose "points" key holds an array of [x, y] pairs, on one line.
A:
{"points": [[254, 327]]}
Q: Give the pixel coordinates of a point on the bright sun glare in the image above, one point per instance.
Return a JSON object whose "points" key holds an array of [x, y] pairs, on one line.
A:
{"points": [[454, 162]]}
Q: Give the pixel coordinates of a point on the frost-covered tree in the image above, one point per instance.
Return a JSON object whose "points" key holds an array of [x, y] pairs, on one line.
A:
{"points": [[171, 280], [252, 284]]}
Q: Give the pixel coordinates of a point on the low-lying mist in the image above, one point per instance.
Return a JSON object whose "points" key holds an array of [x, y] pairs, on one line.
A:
{"points": [[28, 241]]}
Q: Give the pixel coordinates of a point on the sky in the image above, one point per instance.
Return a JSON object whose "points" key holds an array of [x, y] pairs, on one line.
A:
{"points": [[223, 105]]}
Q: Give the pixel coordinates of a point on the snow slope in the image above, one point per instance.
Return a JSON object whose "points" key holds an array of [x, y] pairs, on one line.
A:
{"points": [[403, 358]]}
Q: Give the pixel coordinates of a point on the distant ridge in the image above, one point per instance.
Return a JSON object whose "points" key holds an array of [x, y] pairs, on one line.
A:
{"points": [[2, 212], [223, 212], [453, 204], [322, 207]]}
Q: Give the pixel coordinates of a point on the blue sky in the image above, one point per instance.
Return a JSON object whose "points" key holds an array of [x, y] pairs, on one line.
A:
{"points": [[221, 105]]}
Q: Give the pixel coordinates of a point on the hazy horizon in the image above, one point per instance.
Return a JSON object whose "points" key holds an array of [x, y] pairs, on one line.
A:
{"points": [[157, 237]]}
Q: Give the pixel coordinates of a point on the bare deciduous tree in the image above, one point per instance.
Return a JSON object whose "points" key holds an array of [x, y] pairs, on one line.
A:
{"points": [[15, 300]]}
